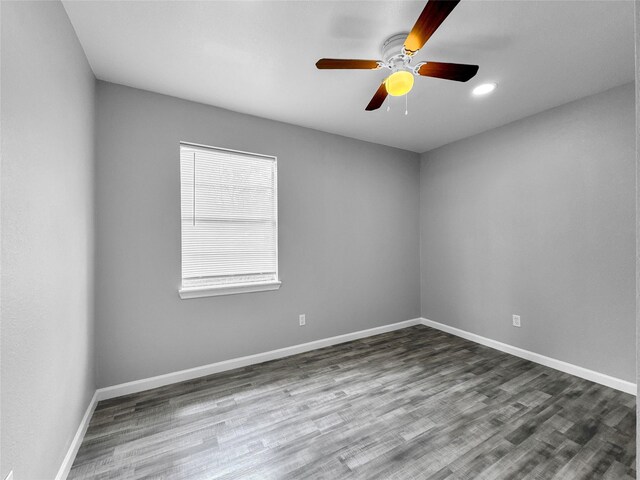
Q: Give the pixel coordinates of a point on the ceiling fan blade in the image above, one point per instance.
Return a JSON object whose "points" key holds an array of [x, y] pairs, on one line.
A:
{"points": [[378, 98], [449, 71], [344, 63], [434, 13]]}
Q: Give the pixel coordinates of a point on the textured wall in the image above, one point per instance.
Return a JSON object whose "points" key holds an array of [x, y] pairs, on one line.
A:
{"points": [[47, 237], [348, 238], [536, 218]]}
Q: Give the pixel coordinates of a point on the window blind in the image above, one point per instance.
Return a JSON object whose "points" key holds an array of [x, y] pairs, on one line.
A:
{"points": [[229, 217]]}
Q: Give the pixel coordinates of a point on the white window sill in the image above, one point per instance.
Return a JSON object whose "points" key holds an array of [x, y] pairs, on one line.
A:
{"points": [[213, 291]]}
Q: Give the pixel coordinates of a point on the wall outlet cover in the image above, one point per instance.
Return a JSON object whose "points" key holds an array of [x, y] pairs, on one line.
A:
{"points": [[516, 320], [302, 319]]}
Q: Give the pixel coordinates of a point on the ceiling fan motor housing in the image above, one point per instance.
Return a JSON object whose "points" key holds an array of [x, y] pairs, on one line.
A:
{"points": [[393, 53]]}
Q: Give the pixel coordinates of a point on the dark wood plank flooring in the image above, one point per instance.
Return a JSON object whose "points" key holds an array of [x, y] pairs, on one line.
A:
{"points": [[416, 403]]}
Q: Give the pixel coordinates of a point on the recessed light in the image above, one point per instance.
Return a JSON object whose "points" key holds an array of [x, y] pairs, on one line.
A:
{"points": [[484, 89]]}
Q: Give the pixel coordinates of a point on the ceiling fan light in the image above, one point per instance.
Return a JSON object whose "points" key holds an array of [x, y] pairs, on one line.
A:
{"points": [[399, 83]]}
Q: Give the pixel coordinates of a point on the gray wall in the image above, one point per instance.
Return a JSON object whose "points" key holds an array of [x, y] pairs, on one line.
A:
{"points": [[637, 38], [348, 238], [537, 218], [47, 237]]}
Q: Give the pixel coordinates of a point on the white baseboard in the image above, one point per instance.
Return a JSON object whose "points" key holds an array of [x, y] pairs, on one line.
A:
{"points": [[581, 372], [77, 439], [191, 373], [202, 371]]}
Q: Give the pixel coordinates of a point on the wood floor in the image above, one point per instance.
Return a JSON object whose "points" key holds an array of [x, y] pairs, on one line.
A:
{"points": [[416, 403]]}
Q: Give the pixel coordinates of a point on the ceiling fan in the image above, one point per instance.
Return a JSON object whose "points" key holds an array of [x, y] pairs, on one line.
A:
{"points": [[398, 51]]}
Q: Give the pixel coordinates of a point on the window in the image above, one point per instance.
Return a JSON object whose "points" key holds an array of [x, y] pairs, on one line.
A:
{"points": [[229, 221]]}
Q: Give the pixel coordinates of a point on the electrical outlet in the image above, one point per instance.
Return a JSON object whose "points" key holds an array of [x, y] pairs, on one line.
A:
{"points": [[516, 320], [303, 320]]}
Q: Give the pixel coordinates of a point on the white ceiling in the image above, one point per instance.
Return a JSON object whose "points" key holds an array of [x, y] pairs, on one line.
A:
{"points": [[258, 58]]}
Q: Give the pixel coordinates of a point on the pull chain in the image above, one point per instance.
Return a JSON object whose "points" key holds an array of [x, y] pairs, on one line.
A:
{"points": [[406, 103]]}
